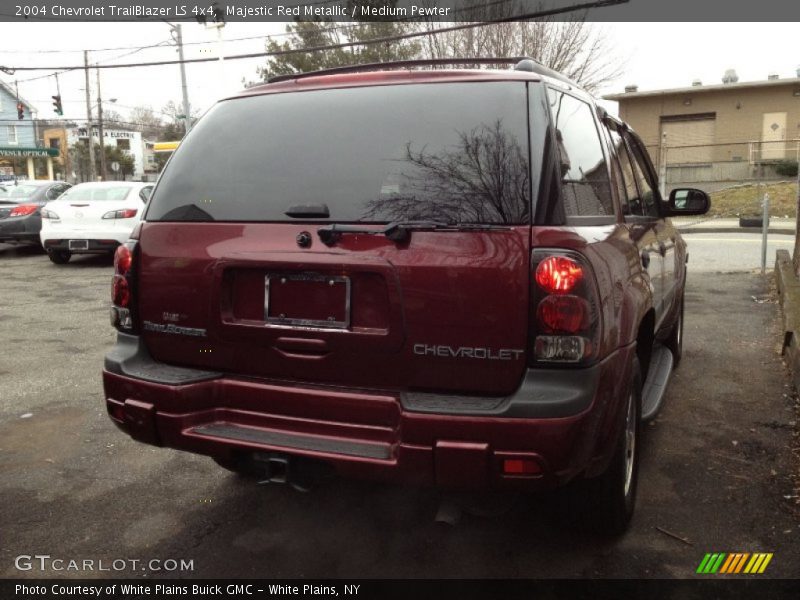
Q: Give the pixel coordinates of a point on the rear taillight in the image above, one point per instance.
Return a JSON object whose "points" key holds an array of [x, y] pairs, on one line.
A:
{"points": [[563, 314], [121, 286], [566, 327], [558, 274], [127, 213], [122, 260], [49, 214], [22, 210]]}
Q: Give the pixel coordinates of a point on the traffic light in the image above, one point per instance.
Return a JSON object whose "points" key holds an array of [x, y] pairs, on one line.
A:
{"points": [[20, 110], [57, 108]]}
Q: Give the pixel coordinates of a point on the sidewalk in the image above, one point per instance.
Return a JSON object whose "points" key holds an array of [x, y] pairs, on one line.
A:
{"points": [[720, 225]]}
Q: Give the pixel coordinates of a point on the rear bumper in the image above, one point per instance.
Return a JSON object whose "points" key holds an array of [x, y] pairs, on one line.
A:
{"points": [[102, 236], [565, 425], [23, 229], [94, 245]]}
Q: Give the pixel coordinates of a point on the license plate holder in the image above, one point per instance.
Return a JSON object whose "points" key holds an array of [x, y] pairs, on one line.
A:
{"points": [[307, 300], [78, 244]]}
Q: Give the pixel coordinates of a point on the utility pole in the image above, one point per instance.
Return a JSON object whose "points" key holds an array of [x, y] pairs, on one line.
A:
{"points": [[103, 172], [89, 116], [187, 112]]}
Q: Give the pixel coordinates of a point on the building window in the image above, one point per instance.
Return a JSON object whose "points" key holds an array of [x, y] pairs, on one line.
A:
{"points": [[12, 134], [55, 143], [124, 144]]}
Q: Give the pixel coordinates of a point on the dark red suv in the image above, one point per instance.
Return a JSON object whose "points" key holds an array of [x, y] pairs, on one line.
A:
{"points": [[462, 278]]}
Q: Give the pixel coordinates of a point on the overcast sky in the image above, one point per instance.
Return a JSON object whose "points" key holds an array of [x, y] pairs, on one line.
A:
{"points": [[654, 55]]}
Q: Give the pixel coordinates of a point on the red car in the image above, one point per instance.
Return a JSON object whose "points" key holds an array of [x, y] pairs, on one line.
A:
{"points": [[461, 278]]}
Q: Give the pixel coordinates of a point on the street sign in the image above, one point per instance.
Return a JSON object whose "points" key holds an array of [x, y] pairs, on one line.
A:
{"points": [[115, 166]]}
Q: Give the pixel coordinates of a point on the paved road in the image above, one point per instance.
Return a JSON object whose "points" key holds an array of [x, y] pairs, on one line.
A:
{"points": [[729, 252], [715, 465]]}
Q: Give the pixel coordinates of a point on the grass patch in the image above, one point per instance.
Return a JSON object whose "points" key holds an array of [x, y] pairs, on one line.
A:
{"points": [[745, 200]]}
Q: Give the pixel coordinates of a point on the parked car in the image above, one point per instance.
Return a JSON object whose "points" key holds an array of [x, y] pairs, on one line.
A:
{"points": [[92, 218], [461, 278], [20, 208]]}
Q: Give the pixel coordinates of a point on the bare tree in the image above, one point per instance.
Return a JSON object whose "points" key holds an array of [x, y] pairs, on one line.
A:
{"points": [[145, 120], [565, 43], [113, 120], [481, 179]]}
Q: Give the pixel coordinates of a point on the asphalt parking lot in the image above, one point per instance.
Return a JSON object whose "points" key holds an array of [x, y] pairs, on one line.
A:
{"points": [[715, 471]]}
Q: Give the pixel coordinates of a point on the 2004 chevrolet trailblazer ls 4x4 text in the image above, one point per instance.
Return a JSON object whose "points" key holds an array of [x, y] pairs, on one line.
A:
{"points": [[463, 278]]}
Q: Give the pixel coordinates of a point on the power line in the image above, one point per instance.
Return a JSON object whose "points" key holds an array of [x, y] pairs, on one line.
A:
{"points": [[15, 18], [83, 120], [379, 40], [203, 43], [163, 44], [88, 50], [160, 44]]}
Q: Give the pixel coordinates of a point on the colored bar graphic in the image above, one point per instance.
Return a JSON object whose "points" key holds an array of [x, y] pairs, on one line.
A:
{"points": [[741, 562], [703, 563], [734, 563], [717, 564], [764, 564], [752, 563], [727, 564]]}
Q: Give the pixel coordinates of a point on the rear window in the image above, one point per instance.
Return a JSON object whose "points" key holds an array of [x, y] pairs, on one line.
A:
{"points": [[97, 193], [20, 191], [453, 152]]}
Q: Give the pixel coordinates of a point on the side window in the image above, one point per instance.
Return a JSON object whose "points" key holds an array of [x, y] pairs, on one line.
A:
{"points": [[648, 196], [586, 190], [55, 191], [616, 170], [634, 206]]}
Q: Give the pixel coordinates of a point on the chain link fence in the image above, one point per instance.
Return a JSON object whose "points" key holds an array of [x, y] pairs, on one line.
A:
{"points": [[737, 175]]}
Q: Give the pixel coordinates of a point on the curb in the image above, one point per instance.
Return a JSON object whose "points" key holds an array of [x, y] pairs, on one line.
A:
{"points": [[771, 230]]}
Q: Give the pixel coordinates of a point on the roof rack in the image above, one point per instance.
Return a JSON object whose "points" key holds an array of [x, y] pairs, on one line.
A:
{"points": [[521, 63]]}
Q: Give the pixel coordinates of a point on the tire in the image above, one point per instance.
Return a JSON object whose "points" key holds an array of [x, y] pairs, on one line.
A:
{"points": [[613, 494], [59, 257], [675, 340]]}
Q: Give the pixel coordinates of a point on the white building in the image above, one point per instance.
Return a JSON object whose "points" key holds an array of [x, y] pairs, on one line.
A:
{"points": [[128, 141]]}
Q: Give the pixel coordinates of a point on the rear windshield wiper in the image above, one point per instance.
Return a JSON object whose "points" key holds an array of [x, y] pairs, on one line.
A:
{"points": [[397, 231]]}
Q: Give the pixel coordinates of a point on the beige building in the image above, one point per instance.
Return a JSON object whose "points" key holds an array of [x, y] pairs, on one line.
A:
{"points": [[717, 134], [56, 139]]}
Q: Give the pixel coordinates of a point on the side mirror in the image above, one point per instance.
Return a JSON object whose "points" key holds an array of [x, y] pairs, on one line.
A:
{"points": [[144, 194], [687, 202]]}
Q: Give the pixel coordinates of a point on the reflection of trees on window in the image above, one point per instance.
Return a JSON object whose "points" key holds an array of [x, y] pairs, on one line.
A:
{"points": [[584, 176], [483, 179]]}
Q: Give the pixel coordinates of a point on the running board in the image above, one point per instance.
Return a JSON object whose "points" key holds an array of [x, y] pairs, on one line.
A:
{"points": [[656, 383]]}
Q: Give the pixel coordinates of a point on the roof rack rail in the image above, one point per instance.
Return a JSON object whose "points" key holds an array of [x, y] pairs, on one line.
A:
{"points": [[529, 64], [522, 63]]}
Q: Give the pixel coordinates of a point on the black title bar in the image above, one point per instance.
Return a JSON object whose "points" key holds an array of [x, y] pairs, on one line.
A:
{"points": [[401, 10], [392, 589]]}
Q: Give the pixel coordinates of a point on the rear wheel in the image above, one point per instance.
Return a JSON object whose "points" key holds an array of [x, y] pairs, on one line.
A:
{"points": [[60, 257], [675, 340], [613, 494]]}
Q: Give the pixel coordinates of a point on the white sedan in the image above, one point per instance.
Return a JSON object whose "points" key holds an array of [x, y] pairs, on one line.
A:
{"points": [[92, 218]]}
